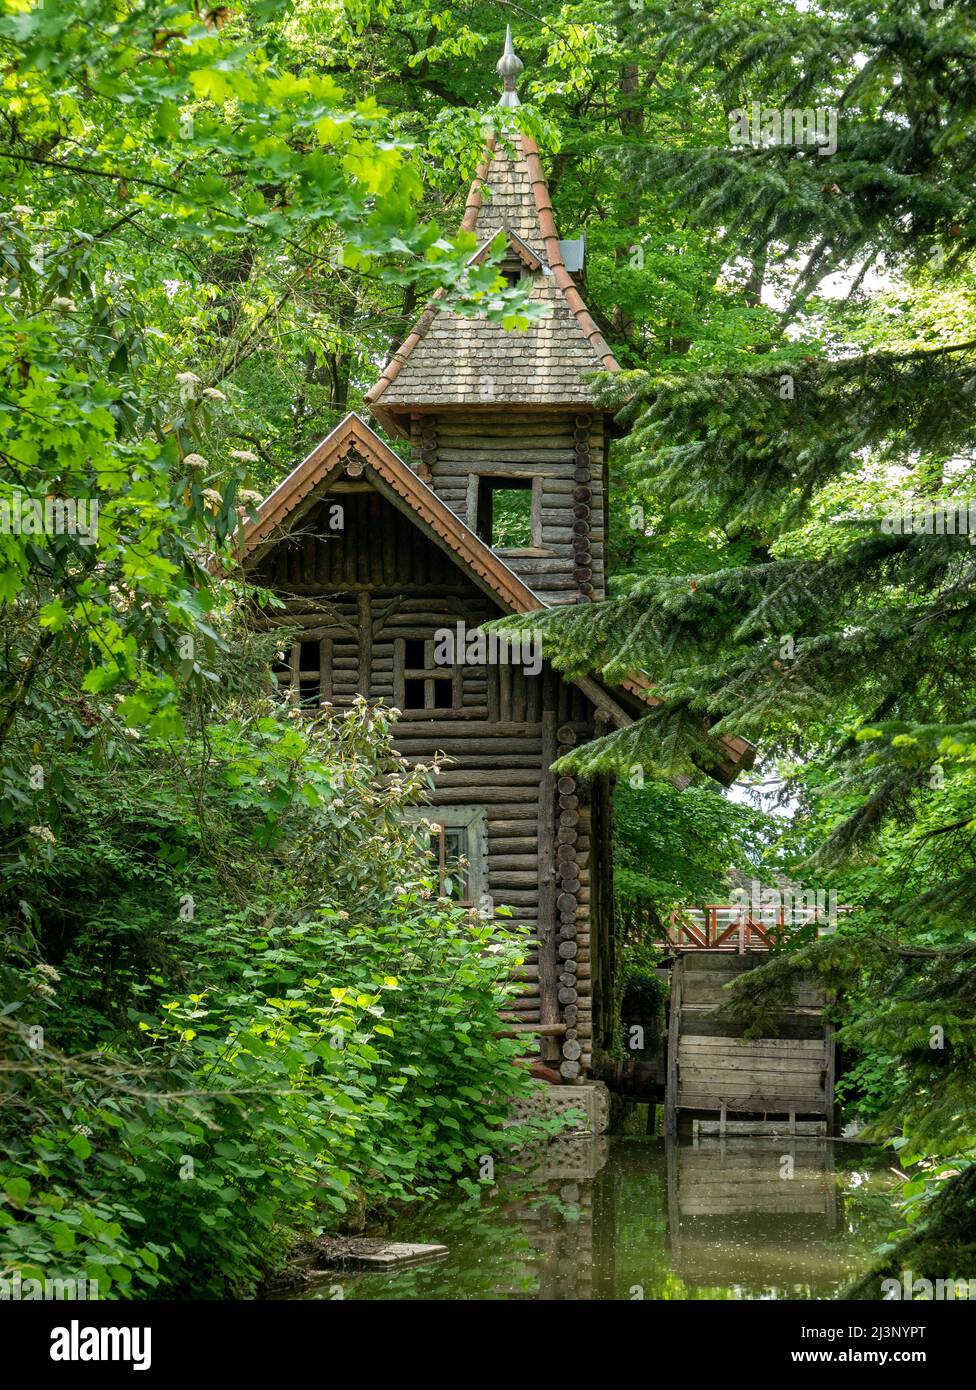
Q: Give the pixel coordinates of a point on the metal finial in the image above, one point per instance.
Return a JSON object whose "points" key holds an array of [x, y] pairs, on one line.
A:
{"points": [[508, 67]]}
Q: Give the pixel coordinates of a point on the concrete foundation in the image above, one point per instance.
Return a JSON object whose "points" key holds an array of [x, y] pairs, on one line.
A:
{"points": [[591, 1098]]}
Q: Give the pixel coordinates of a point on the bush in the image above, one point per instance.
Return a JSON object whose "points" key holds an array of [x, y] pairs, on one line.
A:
{"points": [[254, 1011]]}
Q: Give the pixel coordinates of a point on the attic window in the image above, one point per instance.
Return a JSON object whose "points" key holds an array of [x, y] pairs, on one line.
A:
{"points": [[420, 685], [509, 512], [306, 670], [512, 272]]}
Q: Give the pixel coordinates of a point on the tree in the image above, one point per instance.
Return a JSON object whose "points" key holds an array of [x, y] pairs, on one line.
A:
{"points": [[175, 177], [842, 644]]}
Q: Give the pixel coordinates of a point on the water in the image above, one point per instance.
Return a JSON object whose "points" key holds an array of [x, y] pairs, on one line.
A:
{"points": [[638, 1218]]}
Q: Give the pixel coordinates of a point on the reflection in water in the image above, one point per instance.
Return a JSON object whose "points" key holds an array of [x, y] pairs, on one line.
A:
{"points": [[626, 1219]]}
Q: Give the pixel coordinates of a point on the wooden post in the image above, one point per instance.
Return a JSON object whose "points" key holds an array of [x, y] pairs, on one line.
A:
{"points": [[365, 638], [674, 1031], [325, 669], [548, 985], [830, 1078]]}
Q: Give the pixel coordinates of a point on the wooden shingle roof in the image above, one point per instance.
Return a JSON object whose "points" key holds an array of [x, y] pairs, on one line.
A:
{"points": [[448, 360]]}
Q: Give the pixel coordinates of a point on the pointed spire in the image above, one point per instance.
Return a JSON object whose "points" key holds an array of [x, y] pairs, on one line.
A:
{"points": [[508, 68]]}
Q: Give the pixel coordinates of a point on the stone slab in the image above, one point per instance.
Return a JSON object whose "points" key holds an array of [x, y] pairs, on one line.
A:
{"points": [[377, 1254], [590, 1097]]}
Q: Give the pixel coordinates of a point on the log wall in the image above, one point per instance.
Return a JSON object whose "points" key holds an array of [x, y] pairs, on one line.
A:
{"points": [[349, 595], [565, 451]]}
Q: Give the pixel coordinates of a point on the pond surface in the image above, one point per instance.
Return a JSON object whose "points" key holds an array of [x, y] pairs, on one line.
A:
{"points": [[630, 1218]]}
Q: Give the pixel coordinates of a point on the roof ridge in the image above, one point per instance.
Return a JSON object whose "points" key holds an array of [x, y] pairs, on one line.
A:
{"points": [[562, 277]]}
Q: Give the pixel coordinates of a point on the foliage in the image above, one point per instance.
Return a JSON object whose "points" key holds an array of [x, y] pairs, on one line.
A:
{"points": [[805, 617], [677, 847], [218, 223], [286, 1024], [175, 177]]}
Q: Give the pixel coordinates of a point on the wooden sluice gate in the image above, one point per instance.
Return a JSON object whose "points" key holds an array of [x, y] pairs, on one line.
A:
{"points": [[781, 1084]]}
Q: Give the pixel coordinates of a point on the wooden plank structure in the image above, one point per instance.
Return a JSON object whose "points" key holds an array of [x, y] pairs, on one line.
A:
{"points": [[713, 1069], [376, 556]]}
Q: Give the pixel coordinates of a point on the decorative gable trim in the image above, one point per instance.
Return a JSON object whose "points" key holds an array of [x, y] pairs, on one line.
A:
{"points": [[354, 436], [515, 243]]}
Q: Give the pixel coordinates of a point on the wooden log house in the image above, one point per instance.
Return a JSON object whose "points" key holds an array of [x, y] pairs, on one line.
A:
{"points": [[500, 510]]}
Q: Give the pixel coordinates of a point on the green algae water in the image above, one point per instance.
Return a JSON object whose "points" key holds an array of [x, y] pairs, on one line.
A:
{"points": [[630, 1218]]}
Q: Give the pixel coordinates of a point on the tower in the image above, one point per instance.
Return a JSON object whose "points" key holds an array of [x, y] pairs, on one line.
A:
{"points": [[502, 423], [503, 511]]}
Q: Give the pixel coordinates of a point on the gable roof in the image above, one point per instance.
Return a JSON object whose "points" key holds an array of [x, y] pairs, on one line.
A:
{"points": [[353, 441], [352, 436], [450, 360]]}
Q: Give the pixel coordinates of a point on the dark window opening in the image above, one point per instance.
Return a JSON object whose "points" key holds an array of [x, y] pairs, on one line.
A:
{"points": [[308, 691], [309, 678], [304, 676], [505, 512], [413, 694], [420, 686]]}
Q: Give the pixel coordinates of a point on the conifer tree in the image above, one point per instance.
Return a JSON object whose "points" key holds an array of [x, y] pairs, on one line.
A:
{"points": [[846, 642]]}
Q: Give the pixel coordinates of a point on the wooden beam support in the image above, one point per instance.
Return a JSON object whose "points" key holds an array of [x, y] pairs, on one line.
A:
{"points": [[548, 984], [365, 640]]}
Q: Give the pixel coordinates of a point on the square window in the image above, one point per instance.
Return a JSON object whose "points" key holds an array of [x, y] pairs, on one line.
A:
{"points": [[419, 686], [456, 840], [507, 514], [306, 673], [413, 694]]}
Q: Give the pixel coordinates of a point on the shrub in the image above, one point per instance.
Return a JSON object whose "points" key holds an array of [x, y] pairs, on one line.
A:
{"points": [[254, 1011]]}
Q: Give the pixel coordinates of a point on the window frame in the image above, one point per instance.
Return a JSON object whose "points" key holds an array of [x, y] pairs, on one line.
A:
{"points": [[430, 674], [474, 821], [480, 485], [290, 679]]}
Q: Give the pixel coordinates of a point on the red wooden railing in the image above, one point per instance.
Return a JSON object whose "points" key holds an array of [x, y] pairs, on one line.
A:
{"points": [[729, 927]]}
